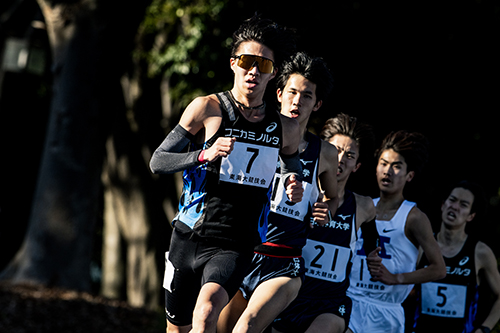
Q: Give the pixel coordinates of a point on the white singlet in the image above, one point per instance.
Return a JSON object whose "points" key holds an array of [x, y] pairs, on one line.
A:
{"points": [[399, 255]]}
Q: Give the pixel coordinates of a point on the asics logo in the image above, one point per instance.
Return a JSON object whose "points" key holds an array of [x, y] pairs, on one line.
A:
{"points": [[271, 127]]}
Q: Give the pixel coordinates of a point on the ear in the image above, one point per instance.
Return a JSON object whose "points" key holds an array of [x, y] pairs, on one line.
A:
{"points": [[358, 165], [232, 63], [318, 105], [471, 217], [273, 74], [279, 94], [410, 176]]}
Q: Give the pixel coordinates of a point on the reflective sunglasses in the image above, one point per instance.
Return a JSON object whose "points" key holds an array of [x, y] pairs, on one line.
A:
{"points": [[248, 61]]}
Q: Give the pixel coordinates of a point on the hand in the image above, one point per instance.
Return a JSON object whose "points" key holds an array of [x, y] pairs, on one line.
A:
{"points": [[374, 263], [378, 271], [320, 213], [294, 189], [222, 147]]}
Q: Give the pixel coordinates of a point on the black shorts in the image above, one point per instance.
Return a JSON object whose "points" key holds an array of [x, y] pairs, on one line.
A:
{"points": [[265, 268], [191, 263], [300, 314]]}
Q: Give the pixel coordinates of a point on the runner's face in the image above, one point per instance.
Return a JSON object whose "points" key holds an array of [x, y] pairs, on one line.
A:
{"points": [[251, 82], [455, 211], [391, 172], [298, 98], [348, 155]]}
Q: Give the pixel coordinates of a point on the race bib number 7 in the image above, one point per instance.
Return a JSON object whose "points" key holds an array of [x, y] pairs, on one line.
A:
{"points": [[249, 164]]}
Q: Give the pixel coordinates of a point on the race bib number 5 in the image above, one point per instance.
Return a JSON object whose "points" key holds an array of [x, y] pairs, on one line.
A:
{"points": [[443, 300], [249, 164]]}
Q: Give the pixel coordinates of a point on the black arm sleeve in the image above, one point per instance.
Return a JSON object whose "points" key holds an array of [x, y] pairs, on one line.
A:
{"points": [[169, 158], [290, 165], [370, 236]]}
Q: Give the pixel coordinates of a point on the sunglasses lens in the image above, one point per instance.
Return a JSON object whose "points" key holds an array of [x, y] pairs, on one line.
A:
{"points": [[246, 62], [265, 66]]}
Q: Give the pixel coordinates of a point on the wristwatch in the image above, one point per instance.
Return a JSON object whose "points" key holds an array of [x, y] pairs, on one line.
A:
{"points": [[485, 329]]}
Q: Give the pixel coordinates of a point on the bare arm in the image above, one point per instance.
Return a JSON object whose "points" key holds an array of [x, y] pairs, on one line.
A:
{"points": [[200, 121], [365, 210], [486, 261], [327, 174], [419, 231], [202, 118], [365, 219], [291, 135], [289, 152]]}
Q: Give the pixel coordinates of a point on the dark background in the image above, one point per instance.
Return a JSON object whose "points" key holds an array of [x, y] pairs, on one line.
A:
{"points": [[427, 66]]}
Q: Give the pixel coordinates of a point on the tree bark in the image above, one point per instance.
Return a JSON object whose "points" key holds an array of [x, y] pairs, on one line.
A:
{"points": [[56, 248], [90, 44]]}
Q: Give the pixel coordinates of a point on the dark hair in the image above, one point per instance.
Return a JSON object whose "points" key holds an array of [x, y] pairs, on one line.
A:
{"points": [[313, 69], [413, 146], [280, 40], [349, 126], [479, 205]]}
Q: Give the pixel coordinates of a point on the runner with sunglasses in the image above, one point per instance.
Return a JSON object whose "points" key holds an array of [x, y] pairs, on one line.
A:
{"points": [[228, 145], [277, 269]]}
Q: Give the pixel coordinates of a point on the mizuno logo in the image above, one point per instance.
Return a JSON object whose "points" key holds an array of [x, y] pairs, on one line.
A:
{"points": [[343, 217], [305, 162]]}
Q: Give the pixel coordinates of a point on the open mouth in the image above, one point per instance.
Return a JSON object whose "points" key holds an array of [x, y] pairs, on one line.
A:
{"points": [[339, 170], [386, 181], [451, 214], [251, 83], [294, 113]]}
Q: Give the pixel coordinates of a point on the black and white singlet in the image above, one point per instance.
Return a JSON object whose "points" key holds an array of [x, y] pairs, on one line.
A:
{"points": [[228, 199], [450, 302], [288, 222]]}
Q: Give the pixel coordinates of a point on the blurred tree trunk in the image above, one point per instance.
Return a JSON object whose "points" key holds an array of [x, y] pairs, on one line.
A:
{"points": [[139, 205], [134, 222], [90, 44]]}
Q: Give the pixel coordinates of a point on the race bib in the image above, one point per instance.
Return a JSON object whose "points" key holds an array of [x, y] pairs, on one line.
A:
{"points": [[280, 204], [326, 261], [249, 164], [443, 300]]}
